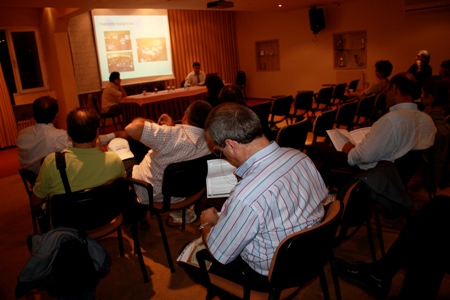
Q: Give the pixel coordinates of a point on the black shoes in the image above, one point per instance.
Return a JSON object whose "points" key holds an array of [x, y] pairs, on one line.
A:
{"points": [[360, 274]]}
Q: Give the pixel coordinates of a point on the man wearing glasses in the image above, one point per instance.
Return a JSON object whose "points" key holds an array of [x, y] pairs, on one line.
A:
{"points": [[279, 192]]}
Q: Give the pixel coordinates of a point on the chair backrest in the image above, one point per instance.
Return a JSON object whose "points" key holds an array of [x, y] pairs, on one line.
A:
{"points": [[304, 101], [294, 135], [93, 102], [281, 106], [355, 197], [324, 122], [185, 178], [182, 83], [365, 108], [353, 85], [90, 208], [262, 110], [28, 178], [346, 114], [241, 78], [300, 256], [408, 163], [339, 91], [380, 107], [325, 95]]}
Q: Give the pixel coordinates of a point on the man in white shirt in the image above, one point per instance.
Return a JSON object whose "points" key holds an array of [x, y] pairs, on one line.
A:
{"points": [[196, 77], [35, 142], [169, 143], [403, 129], [112, 94]]}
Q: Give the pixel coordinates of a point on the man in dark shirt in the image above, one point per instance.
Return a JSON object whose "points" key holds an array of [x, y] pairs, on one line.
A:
{"points": [[421, 69]]}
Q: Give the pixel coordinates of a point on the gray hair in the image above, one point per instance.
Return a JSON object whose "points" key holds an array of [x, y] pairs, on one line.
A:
{"points": [[233, 121]]}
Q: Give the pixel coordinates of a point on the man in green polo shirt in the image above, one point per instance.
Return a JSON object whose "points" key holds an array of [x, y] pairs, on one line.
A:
{"points": [[86, 165]]}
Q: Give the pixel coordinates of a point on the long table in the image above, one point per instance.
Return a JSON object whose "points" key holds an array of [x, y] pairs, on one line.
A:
{"points": [[152, 105]]}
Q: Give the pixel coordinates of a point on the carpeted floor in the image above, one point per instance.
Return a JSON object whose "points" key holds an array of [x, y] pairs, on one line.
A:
{"points": [[125, 281]]}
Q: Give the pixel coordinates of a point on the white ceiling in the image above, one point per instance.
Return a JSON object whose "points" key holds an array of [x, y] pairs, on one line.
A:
{"points": [[239, 5]]}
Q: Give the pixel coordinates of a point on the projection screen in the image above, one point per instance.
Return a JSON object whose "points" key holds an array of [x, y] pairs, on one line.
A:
{"points": [[133, 42]]}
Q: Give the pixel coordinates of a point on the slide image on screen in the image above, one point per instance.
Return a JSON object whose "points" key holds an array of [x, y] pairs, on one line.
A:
{"points": [[117, 40], [151, 49], [120, 62], [134, 42]]}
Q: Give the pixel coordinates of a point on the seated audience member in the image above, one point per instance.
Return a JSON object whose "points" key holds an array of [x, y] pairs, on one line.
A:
{"points": [[402, 129], [383, 69], [196, 77], [421, 70], [279, 192], [421, 250], [112, 94], [436, 99], [86, 165], [444, 69], [214, 84], [35, 142], [169, 143], [232, 93]]}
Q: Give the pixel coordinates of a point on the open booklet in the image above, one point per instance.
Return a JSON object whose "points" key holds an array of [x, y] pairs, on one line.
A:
{"points": [[340, 137], [221, 179], [189, 253]]}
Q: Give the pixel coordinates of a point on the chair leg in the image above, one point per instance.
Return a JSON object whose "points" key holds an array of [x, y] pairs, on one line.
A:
{"points": [[102, 131], [33, 216], [114, 122], [370, 238], [324, 285], [138, 251], [166, 244], [334, 275], [119, 237], [379, 232]]}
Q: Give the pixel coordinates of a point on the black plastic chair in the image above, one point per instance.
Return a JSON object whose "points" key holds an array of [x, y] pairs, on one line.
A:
{"points": [[29, 179], [106, 115], [299, 258], [241, 81], [98, 212], [280, 110], [364, 111], [379, 108], [353, 85], [322, 123], [346, 114], [302, 105], [262, 110], [358, 208], [338, 93], [181, 179], [323, 100], [294, 135]]}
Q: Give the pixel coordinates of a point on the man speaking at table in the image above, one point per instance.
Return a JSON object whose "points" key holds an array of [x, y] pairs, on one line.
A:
{"points": [[196, 77]]}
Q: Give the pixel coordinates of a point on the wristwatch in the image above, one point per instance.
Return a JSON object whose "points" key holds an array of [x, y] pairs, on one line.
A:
{"points": [[202, 226]]}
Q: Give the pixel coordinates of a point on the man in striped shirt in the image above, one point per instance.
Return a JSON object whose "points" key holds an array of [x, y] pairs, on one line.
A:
{"points": [[279, 192]]}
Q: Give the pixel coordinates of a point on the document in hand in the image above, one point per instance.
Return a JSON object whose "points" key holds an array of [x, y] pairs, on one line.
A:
{"points": [[340, 137], [220, 180], [189, 253]]}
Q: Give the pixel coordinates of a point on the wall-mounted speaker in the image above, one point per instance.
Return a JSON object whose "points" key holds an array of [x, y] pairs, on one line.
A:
{"points": [[316, 19]]}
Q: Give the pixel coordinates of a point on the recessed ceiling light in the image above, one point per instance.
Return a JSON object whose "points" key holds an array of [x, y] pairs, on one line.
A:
{"points": [[279, 5]]}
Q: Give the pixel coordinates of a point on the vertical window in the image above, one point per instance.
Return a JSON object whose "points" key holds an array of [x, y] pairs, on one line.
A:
{"points": [[26, 57]]}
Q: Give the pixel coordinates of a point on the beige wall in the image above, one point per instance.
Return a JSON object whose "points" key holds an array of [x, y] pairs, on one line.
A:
{"points": [[306, 64], [58, 60]]}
